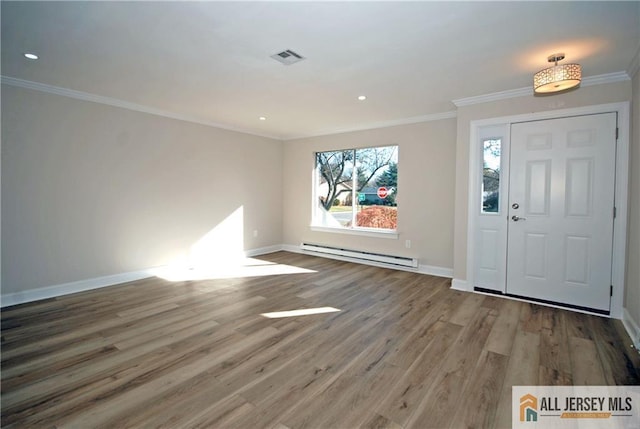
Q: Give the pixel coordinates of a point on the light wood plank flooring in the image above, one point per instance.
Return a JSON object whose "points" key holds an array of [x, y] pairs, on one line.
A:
{"points": [[404, 351]]}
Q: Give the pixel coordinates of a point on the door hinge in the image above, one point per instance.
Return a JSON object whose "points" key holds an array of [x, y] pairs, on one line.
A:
{"points": [[611, 291], [615, 212], [617, 132]]}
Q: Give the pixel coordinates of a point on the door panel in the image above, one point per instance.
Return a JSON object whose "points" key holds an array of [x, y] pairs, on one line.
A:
{"points": [[579, 187], [576, 256], [535, 256], [489, 242], [538, 185], [560, 236]]}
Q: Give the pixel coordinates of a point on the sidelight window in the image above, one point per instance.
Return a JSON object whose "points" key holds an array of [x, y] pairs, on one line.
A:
{"points": [[491, 175]]}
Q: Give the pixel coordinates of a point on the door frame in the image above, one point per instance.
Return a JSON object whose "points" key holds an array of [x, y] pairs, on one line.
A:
{"points": [[621, 189]]}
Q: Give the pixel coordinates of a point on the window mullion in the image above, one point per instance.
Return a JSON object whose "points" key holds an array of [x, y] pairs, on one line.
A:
{"points": [[354, 191]]}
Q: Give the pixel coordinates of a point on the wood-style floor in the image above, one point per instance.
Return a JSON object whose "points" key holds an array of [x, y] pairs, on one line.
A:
{"points": [[403, 351]]}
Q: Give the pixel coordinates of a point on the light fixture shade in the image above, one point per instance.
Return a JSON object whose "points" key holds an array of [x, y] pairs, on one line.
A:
{"points": [[557, 78]]}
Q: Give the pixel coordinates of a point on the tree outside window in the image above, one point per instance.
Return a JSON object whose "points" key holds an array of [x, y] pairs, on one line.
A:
{"points": [[357, 188], [491, 176]]}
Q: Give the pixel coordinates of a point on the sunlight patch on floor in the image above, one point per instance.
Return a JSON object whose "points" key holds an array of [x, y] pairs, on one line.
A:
{"points": [[226, 269], [300, 312]]}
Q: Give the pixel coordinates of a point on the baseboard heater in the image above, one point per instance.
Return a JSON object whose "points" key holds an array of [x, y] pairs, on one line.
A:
{"points": [[357, 254]]}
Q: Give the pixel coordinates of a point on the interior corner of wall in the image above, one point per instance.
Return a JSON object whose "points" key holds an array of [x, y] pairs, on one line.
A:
{"points": [[633, 328], [459, 284]]}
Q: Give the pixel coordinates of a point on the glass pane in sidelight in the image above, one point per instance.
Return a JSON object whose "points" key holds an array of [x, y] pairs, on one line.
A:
{"points": [[491, 175]]}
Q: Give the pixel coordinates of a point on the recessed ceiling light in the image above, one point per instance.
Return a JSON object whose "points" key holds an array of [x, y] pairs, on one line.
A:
{"points": [[31, 56], [263, 118], [362, 97]]}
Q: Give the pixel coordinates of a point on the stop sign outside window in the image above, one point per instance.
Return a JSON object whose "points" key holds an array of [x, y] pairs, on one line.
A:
{"points": [[382, 192]]}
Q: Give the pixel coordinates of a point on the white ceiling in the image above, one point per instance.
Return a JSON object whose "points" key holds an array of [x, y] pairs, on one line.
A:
{"points": [[210, 61]]}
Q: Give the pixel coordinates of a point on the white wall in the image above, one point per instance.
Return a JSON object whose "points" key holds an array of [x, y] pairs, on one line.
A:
{"points": [[632, 298], [90, 190], [426, 179]]}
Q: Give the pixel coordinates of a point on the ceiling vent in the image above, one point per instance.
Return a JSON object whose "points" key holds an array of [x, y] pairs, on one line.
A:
{"points": [[287, 57]]}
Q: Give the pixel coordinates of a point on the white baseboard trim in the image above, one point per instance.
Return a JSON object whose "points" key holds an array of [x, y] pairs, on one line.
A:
{"points": [[432, 270], [458, 284], [633, 328], [115, 279], [71, 287], [96, 283], [263, 250], [422, 269], [292, 248]]}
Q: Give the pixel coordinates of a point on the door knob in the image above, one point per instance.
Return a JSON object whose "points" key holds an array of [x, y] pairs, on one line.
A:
{"points": [[517, 218]]}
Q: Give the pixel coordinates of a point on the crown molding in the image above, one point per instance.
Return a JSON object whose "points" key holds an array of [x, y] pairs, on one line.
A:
{"points": [[494, 96], [94, 98], [502, 95], [600, 79], [376, 125], [86, 96], [526, 91]]}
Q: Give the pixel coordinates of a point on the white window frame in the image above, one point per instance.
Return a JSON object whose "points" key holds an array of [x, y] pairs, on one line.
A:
{"points": [[353, 230]]}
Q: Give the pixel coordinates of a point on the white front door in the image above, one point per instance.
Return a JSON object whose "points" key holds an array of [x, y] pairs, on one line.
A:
{"points": [[561, 209]]}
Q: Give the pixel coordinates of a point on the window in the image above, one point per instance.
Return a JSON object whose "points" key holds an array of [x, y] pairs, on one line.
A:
{"points": [[356, 189], [491, 175]]}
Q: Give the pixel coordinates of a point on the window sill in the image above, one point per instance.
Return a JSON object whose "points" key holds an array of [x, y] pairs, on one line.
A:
{"points": [[360, 231]]}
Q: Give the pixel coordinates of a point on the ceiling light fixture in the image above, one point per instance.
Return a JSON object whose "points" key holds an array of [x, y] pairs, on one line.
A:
{"points": [[362, 97], [263, 118], [558, 77], [31, 56]]}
